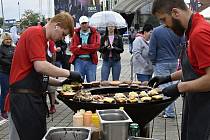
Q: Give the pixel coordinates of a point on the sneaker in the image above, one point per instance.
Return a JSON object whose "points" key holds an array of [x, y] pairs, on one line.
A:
{"points": [[165, 116], [52, 110], [4, 115]]}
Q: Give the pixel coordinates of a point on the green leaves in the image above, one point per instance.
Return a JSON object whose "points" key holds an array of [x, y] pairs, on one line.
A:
{"points": [[30, 18]]}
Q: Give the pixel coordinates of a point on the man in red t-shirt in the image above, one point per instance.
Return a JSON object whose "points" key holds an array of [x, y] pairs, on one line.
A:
{"points": [[195, 62], [27, 78]]}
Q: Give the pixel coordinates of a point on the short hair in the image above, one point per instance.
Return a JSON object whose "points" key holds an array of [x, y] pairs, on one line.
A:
{"points": [[65, 21], [147, 28], [5, 36], [166, 6]]}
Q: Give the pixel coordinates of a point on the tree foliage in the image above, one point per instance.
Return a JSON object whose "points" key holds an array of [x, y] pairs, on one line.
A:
{"points": [[29, 18]]}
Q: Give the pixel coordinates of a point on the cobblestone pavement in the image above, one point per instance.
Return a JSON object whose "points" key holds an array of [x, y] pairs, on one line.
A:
{"points": [[163, 129]]}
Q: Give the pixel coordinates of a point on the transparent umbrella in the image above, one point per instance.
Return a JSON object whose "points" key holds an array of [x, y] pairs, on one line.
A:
{"points": [[106, 18]]}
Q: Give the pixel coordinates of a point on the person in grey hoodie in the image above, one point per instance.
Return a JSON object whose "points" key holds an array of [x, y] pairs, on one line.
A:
{"points": [[142, 65]]}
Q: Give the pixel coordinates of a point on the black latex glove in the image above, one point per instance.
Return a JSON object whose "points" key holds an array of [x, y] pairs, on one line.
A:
{"points": [[171, 91], [67, 81], [75, 77], [158, 80]]}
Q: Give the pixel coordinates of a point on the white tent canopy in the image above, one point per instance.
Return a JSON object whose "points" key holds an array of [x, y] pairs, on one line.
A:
{"points": [[206, 13]]}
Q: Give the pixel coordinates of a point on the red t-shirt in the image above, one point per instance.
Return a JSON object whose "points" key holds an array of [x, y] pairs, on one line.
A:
{"points": [[31, 47], [52, 47], [199, 44]]}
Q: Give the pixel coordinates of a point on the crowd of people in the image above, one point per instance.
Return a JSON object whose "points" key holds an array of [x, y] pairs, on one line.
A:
{"points": [[42, 55]]}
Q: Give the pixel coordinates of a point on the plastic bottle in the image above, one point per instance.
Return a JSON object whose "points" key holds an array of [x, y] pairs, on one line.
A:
{"points": [[78, 120], [95, 120], [87, 118]]}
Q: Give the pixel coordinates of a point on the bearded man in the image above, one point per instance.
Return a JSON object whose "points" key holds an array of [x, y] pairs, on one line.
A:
{"points": [[195, 62]]}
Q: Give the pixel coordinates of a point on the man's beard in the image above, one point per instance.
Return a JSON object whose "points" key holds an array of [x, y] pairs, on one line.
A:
{"points": [[177, 27]]}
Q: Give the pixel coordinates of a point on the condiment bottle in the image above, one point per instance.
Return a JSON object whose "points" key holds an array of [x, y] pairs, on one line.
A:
{"points": [[95, 120], [78, 120], [87, 118]]}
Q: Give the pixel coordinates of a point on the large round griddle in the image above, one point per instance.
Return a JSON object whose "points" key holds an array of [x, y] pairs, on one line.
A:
{"points": [[141, 112]]}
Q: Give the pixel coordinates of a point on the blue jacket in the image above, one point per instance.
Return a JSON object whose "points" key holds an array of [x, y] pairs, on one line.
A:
{"points": [[163, 45]]}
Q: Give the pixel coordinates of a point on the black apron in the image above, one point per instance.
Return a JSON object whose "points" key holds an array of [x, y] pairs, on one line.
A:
{"points": [[28, 110], [196, 106]]}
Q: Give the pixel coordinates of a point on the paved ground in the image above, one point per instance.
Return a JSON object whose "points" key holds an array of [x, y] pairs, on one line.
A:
{"points": [[164, 129]]}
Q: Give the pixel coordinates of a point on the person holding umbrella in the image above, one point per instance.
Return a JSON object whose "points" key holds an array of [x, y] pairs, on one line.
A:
{"points": [[195, 62], [110, 48]]}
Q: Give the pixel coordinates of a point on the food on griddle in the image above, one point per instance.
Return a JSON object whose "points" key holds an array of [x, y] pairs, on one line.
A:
{"points": [[157, 97], [132, 99], [133, 94], [66, 87], [98, 98], [134, 86], [126, 82], [136, 82], [108, 100], [158, 90], [76, 97], [120, 97], [68, 94], [115, 83], [145, 83], [83, 96], [146, 99], [105, 83], [86, 85], [143, 94], [76, 87], [153, 92], [86, 98], [95, 83], [123, 85], [121, 100]]}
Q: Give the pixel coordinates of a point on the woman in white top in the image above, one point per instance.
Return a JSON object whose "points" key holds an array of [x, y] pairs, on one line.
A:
{"points": [[142, 65]]}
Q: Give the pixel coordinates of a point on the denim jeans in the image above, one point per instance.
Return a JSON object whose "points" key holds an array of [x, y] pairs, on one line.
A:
{"points": [[163, 69], [143, 77], [86, 68], [107, 66], [4, 81]]}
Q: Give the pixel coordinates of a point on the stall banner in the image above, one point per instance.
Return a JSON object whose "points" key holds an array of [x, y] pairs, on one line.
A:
{"points": [[77, 8]]}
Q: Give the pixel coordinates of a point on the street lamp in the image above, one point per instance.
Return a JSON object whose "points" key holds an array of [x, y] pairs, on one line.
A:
{"points": [[19, 10], [2, 11]]}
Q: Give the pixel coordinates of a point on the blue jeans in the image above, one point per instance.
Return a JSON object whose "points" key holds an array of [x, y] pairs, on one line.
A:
{"points": [[86, 68], [106, 67], [4, 82], [163, 69], [143, 77]]}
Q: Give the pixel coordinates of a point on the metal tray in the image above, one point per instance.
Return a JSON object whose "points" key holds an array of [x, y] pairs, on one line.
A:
{"points": [[114, 124], [68, 133], [113, 116]]}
